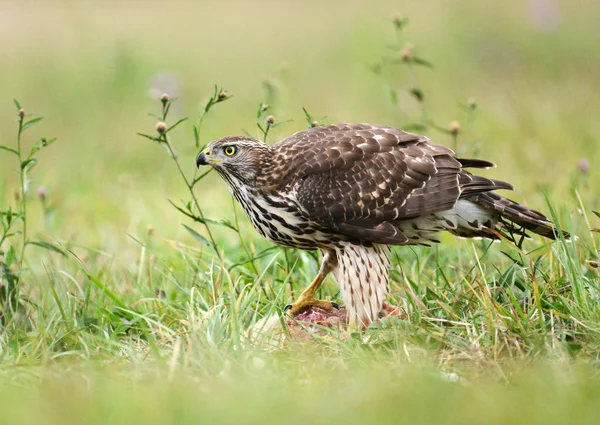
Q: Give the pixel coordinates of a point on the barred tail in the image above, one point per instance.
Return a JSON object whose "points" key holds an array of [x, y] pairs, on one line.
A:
{"points": [[514, 218]]}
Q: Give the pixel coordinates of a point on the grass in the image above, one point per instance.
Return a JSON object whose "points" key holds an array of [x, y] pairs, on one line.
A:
{"points": [[538, 395], [141, 319]]}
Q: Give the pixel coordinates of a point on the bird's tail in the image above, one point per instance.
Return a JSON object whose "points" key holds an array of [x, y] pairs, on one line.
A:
{"points": [[515, 218]]}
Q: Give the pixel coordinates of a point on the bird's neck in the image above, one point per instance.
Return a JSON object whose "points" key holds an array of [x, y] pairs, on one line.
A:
{"points": [[265, 173]]}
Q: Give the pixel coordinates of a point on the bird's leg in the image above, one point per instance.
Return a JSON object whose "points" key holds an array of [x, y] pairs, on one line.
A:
{"points": [[307, 298]]}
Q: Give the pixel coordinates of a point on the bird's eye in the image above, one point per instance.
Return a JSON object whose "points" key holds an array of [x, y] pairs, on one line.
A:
{"points": [[230, 150]]}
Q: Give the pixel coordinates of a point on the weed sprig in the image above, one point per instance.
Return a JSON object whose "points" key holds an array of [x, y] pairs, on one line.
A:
{"points": [[14, 220], [191, 209]]}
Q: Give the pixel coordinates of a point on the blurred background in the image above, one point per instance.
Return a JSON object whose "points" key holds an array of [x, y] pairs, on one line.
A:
{"points": [[94, 69]]}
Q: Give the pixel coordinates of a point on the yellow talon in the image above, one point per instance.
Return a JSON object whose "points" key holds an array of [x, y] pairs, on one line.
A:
{"points": [[304, 303], [307, 298]]}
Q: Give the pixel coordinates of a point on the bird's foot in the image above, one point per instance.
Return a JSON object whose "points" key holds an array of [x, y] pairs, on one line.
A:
{"points": [[304, 303]]}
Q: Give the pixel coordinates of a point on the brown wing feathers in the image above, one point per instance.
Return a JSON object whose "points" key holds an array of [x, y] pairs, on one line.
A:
{"points": [[471, 184], [356, 179], [475, 163], [439, 193]]}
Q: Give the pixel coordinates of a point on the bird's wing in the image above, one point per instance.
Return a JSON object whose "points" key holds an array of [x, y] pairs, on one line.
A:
{"points": [[358, 179]]}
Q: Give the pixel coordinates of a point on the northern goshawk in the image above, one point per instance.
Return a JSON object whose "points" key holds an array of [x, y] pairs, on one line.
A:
{"points": [[351, 190]]}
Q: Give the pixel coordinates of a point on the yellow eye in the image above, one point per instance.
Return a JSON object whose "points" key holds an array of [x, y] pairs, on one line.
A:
{"points": [[230, 150]]}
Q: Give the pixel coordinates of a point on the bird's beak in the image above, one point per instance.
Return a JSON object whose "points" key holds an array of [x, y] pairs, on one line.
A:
{"points": [[205, 159]]}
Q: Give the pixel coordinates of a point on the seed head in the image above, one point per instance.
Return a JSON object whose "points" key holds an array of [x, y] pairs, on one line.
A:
{"points": [[454, 127], [407, 52], [222, 95], [315, 123], [398, 21], [165, 98], [472, 103], [161, 127], [21, 113], [583, 165], [42, 193], [270, 120]]}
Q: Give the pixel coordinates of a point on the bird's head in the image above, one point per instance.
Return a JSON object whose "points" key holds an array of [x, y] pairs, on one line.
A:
{"points": [[242, 158]]}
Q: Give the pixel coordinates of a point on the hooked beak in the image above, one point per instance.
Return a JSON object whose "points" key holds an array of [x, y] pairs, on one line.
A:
{"points": [[205, 159]]}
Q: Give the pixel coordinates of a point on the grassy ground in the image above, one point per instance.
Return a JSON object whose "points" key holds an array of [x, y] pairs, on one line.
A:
{"points": [[141, 320]]}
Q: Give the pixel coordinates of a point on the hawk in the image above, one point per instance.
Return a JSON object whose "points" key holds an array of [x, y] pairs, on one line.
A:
{"points": [[351, 191]]}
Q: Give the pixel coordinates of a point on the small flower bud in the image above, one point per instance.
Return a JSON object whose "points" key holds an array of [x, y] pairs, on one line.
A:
{"points": [[21, 113], [165, 98], [407, 52], [314, 123], [222, 95], [161, 127], [583, 165], [472, 103], [398, 21], [454, 127], [270, 120], [42, 193]]}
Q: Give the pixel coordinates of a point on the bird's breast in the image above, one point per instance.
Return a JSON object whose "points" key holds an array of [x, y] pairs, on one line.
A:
{"points": [[277, 218]]}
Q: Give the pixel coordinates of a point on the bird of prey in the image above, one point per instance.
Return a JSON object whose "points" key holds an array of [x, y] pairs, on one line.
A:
{"points": [[351, 191]]}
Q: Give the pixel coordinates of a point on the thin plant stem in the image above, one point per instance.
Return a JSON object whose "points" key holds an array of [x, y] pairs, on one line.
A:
{"points": [[23, 211], [415, 84], [190, 187], [266, 132]]}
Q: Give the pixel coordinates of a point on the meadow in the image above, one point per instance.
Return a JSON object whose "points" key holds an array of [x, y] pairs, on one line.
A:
{"points": [[117, 306]]}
